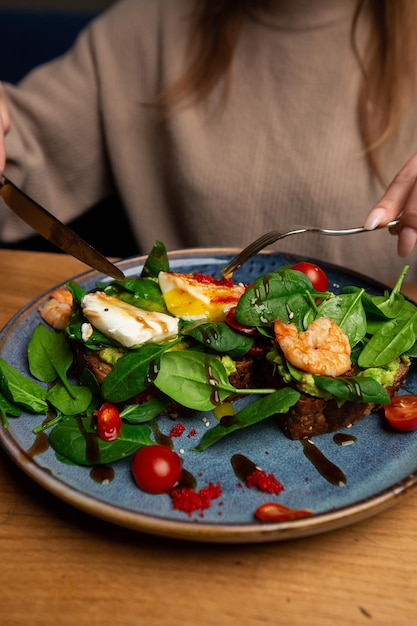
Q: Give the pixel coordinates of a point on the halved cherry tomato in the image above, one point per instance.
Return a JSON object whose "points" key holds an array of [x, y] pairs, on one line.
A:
{"points": [[275, 512], [316, 275], [402, 412], [109, 422], [231, 321], [156, 469]]}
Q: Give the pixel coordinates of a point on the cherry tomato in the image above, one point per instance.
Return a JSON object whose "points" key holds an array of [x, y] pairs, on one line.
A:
{"points": [[274, 512], [232, 321], [316, 275], [109, 422], [402, 412], [156, 469]]}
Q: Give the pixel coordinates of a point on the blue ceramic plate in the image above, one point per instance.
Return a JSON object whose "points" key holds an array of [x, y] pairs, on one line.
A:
{"points": [[379, 465]]}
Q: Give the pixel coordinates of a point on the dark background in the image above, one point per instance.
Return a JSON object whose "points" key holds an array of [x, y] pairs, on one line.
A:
{"points": [[58, 5], [32, 33]]}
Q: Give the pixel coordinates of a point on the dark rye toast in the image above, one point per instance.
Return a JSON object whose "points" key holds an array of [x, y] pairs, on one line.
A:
{"points": [[312, 416], [309, 417]]}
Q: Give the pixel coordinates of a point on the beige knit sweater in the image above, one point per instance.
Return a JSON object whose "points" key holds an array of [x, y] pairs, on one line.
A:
{"points": [[284, 150]]}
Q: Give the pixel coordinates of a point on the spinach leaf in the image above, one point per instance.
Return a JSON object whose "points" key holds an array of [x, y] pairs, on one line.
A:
{"points": [[196, 380], [132, 373], [77, 291], [21, 390], [156, 262], [96, 341], [412, 352], [76, 440], [373, 324], [9, 408], [220, 337], [356, 388], [48, 351], [347, 311], [390, 304], [69, 403], [279, 295], [50, 356], [145, 294], [370, 307], [276, 403], [391, 340], [139, 413], [87, 379]]}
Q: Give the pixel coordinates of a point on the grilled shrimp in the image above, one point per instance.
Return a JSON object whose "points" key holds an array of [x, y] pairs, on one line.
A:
{"points": [[57, 309], [322, 349]]}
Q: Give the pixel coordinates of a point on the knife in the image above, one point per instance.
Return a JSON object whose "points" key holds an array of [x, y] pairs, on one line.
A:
{"points": [[53, 230]]}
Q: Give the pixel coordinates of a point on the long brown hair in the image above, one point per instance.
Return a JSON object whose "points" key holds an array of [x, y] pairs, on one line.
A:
{"points": [[389, 73], [388, 64]]}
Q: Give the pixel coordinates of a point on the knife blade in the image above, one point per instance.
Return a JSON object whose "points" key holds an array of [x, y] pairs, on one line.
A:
{"points": [[53, 230]]}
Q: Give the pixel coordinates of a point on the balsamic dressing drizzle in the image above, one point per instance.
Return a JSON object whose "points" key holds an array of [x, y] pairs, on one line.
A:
{"points": [[160, 438], [343, 439], [102, 474], [92, 450], [242, 466], [324, 466], [152, 372], [214, 396], [40, 445]]}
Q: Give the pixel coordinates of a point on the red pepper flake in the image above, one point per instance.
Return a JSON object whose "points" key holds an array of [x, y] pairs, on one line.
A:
{"points": [[207, 279], [190, 500], [177, 430], [264, 482], [192, 433]]}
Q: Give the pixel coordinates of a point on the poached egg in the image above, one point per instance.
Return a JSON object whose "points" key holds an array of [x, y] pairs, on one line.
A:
{"points": [[125, 323], [190, 299]]}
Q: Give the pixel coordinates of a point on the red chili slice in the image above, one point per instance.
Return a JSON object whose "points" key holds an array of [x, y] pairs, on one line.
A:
{"points": [[275, 512]]}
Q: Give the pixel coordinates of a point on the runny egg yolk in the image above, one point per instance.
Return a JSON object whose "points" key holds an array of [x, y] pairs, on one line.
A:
{"points": [[191, 299]]}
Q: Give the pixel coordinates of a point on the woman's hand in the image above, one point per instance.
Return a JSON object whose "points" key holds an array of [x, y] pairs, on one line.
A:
{"points": [[400, 198], [4, 127]]}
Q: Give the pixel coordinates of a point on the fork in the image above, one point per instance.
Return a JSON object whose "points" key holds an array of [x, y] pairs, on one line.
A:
{"points": [[274, 235]]}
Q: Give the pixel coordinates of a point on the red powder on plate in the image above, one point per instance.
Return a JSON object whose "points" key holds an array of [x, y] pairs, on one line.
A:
{"points": [[177, 430], [264, 482], [189, 500]]}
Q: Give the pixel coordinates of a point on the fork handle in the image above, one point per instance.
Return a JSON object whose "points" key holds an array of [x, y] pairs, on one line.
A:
{"points": [[271, 237]]}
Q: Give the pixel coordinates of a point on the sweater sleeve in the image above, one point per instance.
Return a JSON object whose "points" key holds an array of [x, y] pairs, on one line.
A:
{"points": [[56, 148]]}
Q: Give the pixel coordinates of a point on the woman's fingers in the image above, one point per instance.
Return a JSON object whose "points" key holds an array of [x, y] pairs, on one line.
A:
{"points": [[399, 199]]}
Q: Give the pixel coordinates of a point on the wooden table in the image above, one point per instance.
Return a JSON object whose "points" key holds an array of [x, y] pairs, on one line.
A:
{"points": [[61, 566]]}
